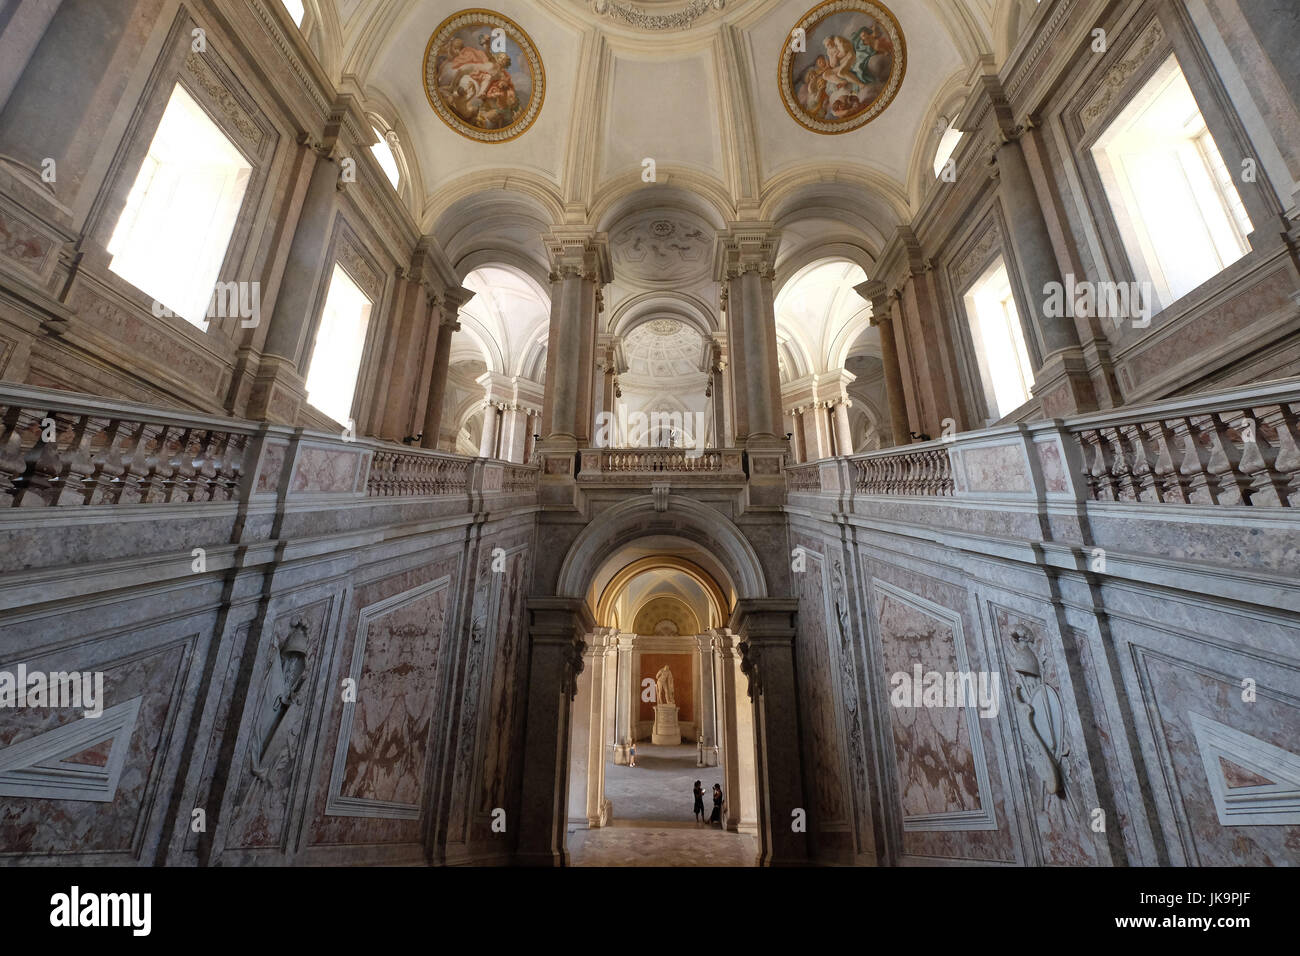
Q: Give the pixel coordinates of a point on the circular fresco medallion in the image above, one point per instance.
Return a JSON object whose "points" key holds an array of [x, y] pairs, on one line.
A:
{"points": [[483, 76], [844, 68]]}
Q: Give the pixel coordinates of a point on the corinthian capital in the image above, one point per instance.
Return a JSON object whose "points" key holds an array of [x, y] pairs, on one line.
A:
{"points": [[578, 252], [746, 247]]}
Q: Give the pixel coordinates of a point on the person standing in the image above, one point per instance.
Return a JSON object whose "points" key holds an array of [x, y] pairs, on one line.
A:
{"points": [[699, 802], [717, 805], [631, 755]]}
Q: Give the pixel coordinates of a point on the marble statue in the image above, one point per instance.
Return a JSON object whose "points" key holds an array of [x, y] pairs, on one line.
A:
{"points": [[664, 693]]}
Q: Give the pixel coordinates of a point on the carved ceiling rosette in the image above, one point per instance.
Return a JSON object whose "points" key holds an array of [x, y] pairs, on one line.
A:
{"points": [[483, 76], [842, 64]]}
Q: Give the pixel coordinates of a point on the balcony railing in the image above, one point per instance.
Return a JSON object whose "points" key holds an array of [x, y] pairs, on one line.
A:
{"points": [[60, 449], [723, 463], [1235, 447]]}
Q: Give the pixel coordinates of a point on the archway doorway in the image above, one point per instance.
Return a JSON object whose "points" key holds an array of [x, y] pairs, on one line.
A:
{"points": [[661, 704]]}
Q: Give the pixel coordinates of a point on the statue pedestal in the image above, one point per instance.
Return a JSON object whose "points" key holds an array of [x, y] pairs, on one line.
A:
{"points": [[666, 729]]}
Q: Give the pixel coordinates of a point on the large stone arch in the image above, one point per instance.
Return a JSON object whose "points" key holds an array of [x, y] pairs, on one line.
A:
{"points": [[758, 640]]}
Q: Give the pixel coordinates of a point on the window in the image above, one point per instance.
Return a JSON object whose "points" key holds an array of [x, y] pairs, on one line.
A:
{"points": [[1178, 211], [383, 151], [947, 146], [340, 340], [296, 10], [999, 341], [172, 236]]}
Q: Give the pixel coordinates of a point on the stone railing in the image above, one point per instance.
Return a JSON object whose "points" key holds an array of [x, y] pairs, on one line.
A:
{"points": [[720, 463], [804, 477], [1239, 447], [519, 478], [924, 471], [59, 449], [397, 474]]}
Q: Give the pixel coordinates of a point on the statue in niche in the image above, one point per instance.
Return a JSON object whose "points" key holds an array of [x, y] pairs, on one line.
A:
{"points": [[664, 692], [1041, 715], [282, 701]]}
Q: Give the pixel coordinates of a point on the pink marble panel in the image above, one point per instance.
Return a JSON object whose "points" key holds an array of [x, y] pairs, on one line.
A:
{"points": [[996, 468], [325, 470], [268, 471], [1055, 481]]}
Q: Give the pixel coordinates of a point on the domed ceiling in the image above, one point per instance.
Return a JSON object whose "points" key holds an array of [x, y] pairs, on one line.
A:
{"points": [[664, 348]]}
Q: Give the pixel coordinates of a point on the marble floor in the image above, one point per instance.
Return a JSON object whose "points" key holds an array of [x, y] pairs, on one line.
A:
{"points": [[652, 823]]}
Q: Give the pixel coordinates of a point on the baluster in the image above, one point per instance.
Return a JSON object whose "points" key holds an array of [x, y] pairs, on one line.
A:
{"points": [[40, 484], [1258, 454], [1170, 483], [13, 463], [1233, 486]]}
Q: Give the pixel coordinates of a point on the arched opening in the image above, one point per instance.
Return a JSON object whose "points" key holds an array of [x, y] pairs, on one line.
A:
{"points": [[661, 700]]}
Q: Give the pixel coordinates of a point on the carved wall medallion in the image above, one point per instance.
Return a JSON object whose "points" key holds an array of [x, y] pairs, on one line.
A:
{"points": [[483, 76], [844, 68]]}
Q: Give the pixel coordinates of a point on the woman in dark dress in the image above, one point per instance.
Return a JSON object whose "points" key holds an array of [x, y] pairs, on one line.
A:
{"points": [[699, 802], [717, 805]]}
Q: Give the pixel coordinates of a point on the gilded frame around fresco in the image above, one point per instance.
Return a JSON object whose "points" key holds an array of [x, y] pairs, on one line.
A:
{"points": [[814, 17], [469, 17]]}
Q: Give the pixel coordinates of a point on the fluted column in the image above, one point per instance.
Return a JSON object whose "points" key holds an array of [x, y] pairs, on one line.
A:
{"points": [[438, 380], [875, 292]]}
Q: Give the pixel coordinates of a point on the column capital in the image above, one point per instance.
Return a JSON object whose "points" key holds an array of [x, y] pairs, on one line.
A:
{"points": [[579, 252], [877, 293], [745, 247]]}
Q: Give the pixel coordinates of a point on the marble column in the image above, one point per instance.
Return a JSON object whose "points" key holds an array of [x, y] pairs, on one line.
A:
{"points": [[587, 736], [65, 72], [514, 432], [800, 447], [707, 718], [766, 630], [625, 698], [1061, 380], [414, 328], [530, 439], [438, 380], [555, 637], [744, 263], [580, 267], [843, 430], [487, 446], [877, 294], [728, 666]]}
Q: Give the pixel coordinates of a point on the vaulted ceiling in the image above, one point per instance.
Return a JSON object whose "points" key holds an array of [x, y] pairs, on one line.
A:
{"points": [[691, 84]]}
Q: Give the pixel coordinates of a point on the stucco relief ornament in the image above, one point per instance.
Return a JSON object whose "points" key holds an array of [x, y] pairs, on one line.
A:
{"points": [[636, 16], [483, 76], [1041, 715], [842, 65], [282, 703]]}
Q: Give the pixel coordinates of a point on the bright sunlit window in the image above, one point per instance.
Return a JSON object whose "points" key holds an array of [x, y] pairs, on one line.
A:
{"points": [[1177, 208], [172, 236], [999, 341], [947, 145], [340, 340], [387, 160], [296, 10]]}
